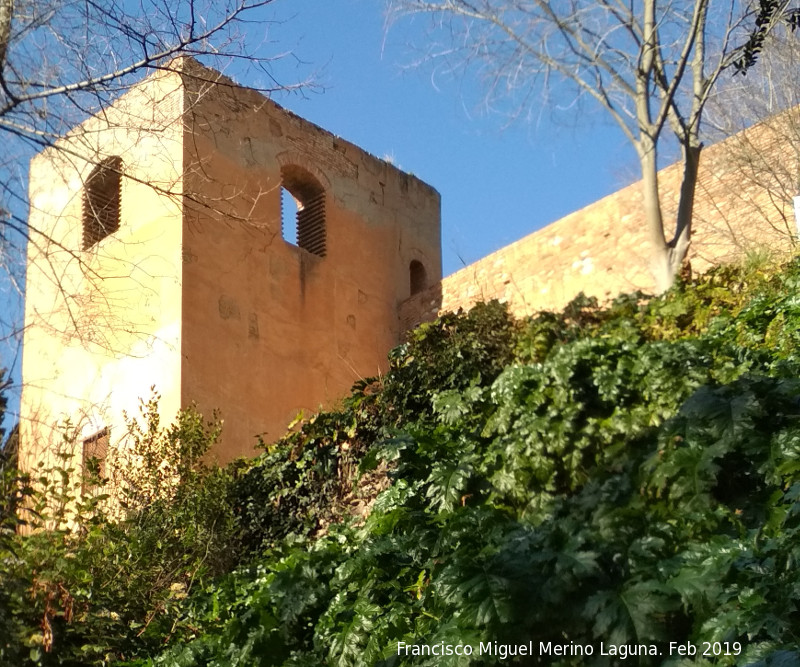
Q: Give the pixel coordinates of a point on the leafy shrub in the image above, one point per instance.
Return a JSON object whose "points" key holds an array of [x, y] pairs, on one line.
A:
{"points": [[302, 483], [311, 477], [453, 353], [92, 581], [628, 474], [623, 475]]}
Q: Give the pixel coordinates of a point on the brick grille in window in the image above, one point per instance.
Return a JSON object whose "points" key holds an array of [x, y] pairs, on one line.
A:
{"points": [[309, 197], [311, 225], [95, 447], [102, 197]]}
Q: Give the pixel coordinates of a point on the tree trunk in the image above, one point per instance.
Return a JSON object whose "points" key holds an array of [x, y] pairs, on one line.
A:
{"points": [[667, 257], [660, 264], [679, 245]]}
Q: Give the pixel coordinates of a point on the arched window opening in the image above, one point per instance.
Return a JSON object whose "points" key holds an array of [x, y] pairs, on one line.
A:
{"points": [[102, 195], [303, 210], [419, 277]]}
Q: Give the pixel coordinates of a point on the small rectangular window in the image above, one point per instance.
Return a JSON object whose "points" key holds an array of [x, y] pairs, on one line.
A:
{"points": [[95, 448], [101, 201]]}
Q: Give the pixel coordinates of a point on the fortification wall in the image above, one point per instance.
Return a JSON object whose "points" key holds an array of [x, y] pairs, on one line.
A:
{"points": [[743, 202]]}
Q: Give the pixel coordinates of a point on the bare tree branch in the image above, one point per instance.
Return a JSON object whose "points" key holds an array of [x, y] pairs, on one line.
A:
{"points": [[648, 64], [62, 62]]}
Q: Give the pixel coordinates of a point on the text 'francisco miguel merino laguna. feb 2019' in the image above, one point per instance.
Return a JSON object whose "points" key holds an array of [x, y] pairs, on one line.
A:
{"points": [[622, 651]]}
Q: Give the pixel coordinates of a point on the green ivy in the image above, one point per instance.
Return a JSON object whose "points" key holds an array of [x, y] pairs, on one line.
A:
{"points": [[625, 475]]}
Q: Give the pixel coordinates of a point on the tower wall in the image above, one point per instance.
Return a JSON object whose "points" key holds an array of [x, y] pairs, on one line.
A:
{"points": [[270, 328], [102, 324]]}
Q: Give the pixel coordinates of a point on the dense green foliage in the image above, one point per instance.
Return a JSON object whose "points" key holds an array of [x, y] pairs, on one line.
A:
{"points": [[87, 581], [627, 475]]}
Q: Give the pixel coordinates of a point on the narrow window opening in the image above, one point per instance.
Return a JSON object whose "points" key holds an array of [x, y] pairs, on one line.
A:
{"points": [[288, 216], [303, 210], [95, 450], [102, 196], [418, 277]]}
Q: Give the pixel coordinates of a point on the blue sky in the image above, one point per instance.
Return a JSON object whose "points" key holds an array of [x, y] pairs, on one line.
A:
{"points": [[497, 183]]}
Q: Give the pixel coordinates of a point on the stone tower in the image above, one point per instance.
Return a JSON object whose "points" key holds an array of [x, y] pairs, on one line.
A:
{"points": [[197, 238]]}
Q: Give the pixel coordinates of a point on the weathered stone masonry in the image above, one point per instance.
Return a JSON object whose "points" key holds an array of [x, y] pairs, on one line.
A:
{"points": [[602, 249], [200, 291]]}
